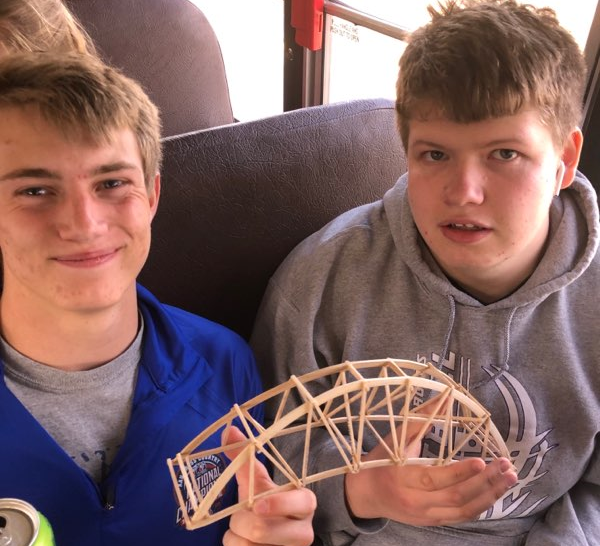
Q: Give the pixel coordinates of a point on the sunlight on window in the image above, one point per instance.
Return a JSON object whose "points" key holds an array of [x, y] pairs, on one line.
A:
{"points": [[251, 38], [364, 63], [575, 16]]}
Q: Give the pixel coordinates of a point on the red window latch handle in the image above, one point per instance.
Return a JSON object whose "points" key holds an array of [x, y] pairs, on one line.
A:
{"points": [[307, 19]]}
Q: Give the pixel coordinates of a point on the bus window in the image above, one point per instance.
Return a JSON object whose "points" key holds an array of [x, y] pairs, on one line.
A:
{"points": [[251, 37], [360, 62], [575, 16]]}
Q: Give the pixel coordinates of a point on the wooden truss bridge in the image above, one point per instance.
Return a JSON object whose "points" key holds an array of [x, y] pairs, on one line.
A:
{"points": [[375, 398]]}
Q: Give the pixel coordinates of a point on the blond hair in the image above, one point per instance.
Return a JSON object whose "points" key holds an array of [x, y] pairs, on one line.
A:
{"points": [[41, 25], [478, 60], [84, 98]]}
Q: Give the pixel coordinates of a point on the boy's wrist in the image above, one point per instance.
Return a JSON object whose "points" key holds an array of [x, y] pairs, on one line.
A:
{"points": [[358, 500]]}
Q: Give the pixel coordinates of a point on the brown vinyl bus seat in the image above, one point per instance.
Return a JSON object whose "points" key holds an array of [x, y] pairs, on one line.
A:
{"points": [[171, 49], [236, 199]]}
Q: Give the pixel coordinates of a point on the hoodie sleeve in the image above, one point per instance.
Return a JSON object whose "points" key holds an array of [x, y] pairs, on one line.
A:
{"points": [[283, 345], [574, 518]]}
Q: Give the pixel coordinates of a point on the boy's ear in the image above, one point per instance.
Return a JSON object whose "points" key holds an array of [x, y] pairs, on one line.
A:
{"points": [[154, 194], [570, 156]]}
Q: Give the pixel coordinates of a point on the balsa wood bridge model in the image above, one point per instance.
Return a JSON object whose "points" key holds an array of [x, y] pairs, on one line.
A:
{"points": [[373, 397]]}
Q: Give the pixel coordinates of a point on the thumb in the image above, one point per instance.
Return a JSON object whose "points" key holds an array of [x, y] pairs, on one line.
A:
{"points": [[252, 477]]}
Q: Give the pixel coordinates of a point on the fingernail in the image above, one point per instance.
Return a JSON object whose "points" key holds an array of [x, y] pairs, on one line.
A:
{"points": [[505, 465]]}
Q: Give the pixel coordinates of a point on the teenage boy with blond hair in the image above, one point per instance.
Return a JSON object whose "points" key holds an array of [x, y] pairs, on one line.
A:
{"points": [[483, 260], [99, 382]]}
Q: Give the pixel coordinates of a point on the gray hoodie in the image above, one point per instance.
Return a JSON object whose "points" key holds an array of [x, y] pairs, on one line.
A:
{"points": [[366, 287]]}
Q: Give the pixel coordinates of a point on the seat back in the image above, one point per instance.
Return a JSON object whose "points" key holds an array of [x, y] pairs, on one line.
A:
{"points": [[171, 49], [236, 200]]}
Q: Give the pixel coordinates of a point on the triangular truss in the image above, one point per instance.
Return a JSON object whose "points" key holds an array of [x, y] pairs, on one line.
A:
{"points": [[378, 399]]}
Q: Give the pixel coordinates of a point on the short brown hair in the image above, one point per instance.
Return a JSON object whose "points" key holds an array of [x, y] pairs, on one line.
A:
{"points": [[84, 98], [483, 59], [41, 25]]}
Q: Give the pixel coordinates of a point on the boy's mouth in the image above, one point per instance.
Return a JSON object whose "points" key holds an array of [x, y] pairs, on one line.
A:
{"points": [[465, 227]]}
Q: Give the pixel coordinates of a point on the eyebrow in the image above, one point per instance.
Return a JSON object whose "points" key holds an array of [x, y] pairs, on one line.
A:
{"points": [[427, 143], [112, 167], [53, 175], [497, 142], [29, 173]]}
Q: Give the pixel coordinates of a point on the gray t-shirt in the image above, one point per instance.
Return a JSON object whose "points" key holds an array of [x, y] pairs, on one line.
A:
{"points": [[86, 412]]}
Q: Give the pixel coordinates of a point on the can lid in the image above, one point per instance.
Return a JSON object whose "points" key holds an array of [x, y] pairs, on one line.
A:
{"points": [[19, 523]]}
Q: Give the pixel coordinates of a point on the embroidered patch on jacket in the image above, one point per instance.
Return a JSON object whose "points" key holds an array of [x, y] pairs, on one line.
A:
{"points": [[206, 471]]}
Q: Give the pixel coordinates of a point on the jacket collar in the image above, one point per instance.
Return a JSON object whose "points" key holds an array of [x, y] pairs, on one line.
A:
{"points": [[167, 356]]}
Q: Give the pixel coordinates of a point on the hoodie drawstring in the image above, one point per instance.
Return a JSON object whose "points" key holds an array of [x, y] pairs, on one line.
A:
{"points": [[498, 370], [451, 318]]}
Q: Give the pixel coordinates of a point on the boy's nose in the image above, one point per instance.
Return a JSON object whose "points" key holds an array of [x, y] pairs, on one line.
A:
{"points": [[465, 184], [81, 217]]}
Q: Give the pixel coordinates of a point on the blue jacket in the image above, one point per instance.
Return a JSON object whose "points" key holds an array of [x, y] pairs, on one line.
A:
{"points": [[191, 373]]}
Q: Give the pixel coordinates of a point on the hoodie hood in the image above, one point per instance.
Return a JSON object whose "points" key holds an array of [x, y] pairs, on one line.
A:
{"points": [[574, 238], [573, 242]]}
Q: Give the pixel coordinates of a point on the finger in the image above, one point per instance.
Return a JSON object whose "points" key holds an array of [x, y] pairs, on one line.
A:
{"points": [[232, 539], [272, 531], [459, 510], [294, 504], [230, 436], [252, 472], [436, 478], [462, 473], [479, 492], [280, 519], [464, 500]]}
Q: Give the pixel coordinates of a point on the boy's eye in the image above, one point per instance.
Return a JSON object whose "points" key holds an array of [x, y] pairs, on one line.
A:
{"points": [[505, 154], [112, 183], [34, 191], [435, 155]]}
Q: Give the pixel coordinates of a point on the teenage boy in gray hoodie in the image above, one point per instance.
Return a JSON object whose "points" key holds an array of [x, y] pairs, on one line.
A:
{"points": [[483, 260]]}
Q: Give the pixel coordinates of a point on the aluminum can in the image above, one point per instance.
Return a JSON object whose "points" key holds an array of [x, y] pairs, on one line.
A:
{"points": [[22, 525]]}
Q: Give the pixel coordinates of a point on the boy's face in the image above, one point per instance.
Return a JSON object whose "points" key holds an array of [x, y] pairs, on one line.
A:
{"points": [[74, 217], [480, 194]]}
